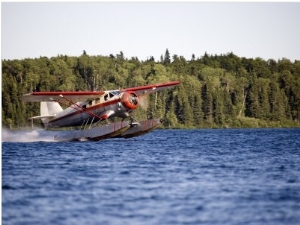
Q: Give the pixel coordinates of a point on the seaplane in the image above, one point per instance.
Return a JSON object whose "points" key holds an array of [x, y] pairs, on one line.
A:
{"points": [[93, 113]]}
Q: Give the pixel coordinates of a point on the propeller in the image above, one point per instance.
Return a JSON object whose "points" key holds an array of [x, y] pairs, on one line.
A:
{"points": [[144, 102], [133, 99], [130, 100]]}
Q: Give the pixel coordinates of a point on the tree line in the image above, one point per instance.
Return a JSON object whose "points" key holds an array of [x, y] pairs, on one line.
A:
{"points": [[215, 91]]}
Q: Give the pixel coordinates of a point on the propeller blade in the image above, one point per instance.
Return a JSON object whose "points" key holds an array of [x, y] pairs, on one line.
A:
{"points": [[144, 102]]}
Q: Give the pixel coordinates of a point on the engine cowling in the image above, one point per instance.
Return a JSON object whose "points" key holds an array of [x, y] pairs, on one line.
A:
{"points": [[130, 100]]}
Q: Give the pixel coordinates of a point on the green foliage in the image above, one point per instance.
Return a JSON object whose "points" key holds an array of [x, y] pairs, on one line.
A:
{"points": [[215, 91]]}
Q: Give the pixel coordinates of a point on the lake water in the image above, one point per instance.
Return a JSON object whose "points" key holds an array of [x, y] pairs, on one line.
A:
{"points": [[206, 176]]}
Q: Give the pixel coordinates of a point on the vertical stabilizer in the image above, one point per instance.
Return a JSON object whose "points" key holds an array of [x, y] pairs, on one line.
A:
{"points": [[49, 109]]}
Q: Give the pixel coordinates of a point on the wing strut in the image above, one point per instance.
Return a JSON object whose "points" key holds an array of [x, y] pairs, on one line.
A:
{"points": [[83, 109]]}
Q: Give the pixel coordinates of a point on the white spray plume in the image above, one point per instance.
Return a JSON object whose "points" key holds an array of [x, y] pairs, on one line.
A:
{"points": [[27, 135]]}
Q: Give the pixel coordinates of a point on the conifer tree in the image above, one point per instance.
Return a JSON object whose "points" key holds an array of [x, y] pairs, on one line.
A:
{"points": [[167, 58]]}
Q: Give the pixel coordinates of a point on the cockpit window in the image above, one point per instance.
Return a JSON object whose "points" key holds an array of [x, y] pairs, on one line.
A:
{"points": [[113, 93]]}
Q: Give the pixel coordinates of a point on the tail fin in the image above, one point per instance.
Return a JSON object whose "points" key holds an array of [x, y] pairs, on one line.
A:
{"points": [[49, 109]]}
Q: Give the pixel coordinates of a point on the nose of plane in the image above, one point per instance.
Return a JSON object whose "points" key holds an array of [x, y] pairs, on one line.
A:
{"points": [[130, 100]]}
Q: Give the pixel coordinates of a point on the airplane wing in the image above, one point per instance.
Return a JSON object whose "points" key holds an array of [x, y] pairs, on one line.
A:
{"points": [[143, 90], [61, 96], [77, 96]]}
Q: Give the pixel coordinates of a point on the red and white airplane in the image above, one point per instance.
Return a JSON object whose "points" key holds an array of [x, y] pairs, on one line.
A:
{"points": [[86, 108]]}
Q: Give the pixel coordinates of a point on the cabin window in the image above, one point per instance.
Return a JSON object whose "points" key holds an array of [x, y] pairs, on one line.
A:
{"points": [[106, 97]]}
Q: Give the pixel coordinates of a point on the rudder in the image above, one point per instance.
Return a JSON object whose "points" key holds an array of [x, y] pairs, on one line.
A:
{"points": [[49, 109]]}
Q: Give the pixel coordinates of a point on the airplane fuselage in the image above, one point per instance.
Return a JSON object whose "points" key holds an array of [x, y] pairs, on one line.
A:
{"points": [[111, 104]]}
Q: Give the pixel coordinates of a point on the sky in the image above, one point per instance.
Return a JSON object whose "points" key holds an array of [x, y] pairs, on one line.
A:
{"points": [[144, 29]]}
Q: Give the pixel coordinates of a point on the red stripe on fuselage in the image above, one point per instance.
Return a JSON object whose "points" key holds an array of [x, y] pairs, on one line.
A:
{"points": [[88, 109]]}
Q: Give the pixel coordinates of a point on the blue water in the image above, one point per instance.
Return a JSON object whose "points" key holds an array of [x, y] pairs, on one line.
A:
{"points": [[208, 176]]}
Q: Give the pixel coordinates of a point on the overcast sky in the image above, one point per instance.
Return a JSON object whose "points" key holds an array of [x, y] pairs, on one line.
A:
{"points": [[266, 30]]}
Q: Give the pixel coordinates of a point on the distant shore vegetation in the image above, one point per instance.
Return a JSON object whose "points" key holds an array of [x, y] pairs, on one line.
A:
{"points": [[216, 91]]}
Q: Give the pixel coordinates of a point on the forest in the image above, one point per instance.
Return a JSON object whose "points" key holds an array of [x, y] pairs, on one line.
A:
{"points": [[216, 91]]}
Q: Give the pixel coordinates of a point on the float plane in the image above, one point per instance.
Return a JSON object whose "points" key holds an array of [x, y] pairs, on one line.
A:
{"points": [[85, 109]]}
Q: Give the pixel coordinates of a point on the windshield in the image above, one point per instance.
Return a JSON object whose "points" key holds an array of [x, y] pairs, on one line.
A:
{"points": [[113, 93]]}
